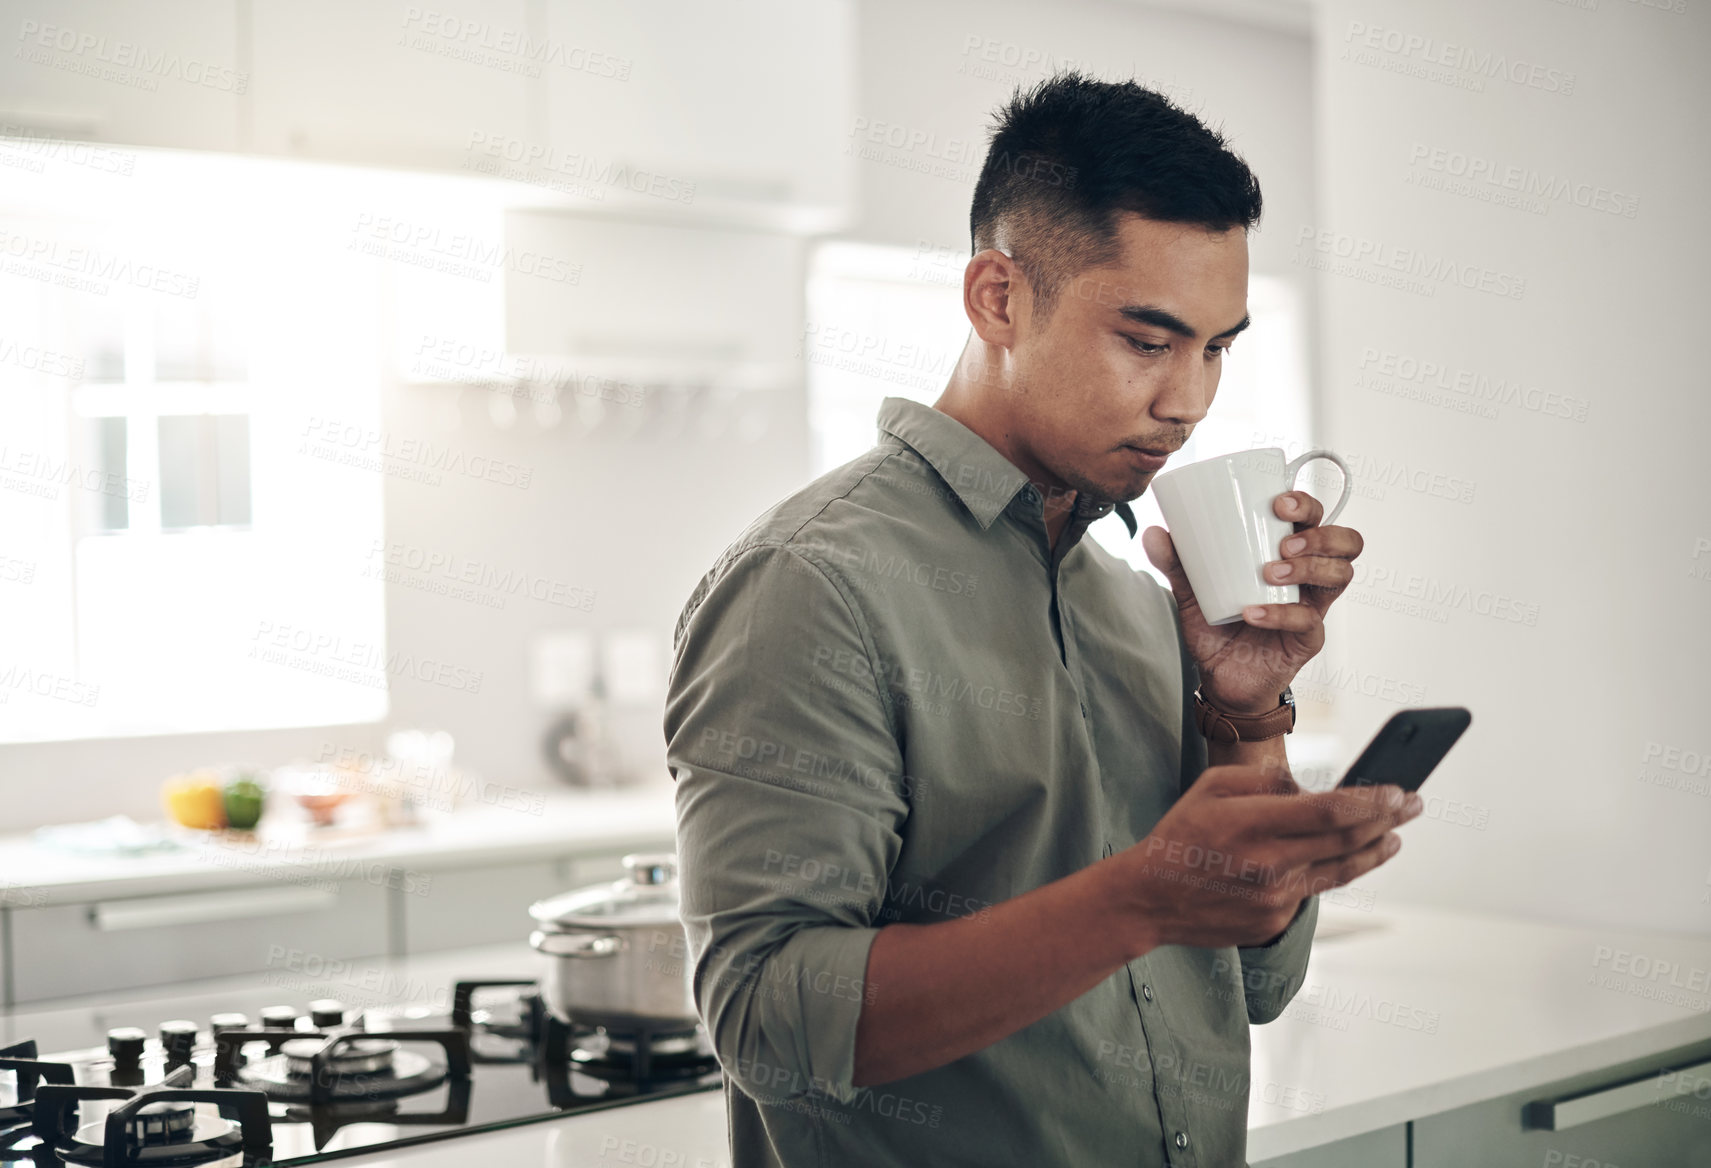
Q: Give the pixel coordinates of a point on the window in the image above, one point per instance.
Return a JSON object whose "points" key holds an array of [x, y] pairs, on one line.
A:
{"points": [[177, 554]]}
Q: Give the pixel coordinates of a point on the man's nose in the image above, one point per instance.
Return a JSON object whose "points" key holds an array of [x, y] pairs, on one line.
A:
{"points": [[1185, 394]]}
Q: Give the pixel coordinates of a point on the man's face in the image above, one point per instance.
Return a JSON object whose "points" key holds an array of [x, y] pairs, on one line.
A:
{"points": [[1129, 357]]}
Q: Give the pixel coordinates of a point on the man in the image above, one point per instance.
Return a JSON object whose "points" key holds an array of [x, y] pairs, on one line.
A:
{"points": [[964, 879]]}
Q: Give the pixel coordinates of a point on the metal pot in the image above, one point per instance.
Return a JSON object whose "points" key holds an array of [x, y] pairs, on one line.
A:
{"points": [[617, 953]]}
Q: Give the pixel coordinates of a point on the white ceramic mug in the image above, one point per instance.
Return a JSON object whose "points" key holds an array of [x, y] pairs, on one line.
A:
{"points": [[1220, 516]]}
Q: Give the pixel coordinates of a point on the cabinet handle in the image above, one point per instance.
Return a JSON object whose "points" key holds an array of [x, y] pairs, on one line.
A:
{"points": [[1574, 1110], [198, 908]]}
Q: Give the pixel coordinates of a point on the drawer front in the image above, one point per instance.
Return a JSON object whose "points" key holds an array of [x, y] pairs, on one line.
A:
{"points": [[1603, 1121], [71, 950], [1385, 1148]]}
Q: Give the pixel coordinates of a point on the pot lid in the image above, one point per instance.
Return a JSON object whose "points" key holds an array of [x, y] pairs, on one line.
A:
{"points": [[646, 895]]}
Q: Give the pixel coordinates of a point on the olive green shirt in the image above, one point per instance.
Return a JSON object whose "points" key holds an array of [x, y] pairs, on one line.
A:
{"points": [[892, 700]]}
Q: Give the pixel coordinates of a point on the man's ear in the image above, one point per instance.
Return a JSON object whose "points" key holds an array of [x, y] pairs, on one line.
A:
{"points": [[991, 285]]}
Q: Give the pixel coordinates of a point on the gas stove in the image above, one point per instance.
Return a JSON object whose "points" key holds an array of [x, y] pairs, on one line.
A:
{"points": [[297, 1086]]}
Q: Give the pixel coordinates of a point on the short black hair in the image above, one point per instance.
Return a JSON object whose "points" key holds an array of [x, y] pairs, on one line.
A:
{"points": [[1071, 152]]}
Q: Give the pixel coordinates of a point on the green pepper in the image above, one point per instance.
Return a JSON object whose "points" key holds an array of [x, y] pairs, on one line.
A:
{"points": [[245, 799]]}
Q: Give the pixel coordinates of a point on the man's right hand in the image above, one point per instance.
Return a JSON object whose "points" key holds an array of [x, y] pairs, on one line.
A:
{"points": [[1232, 860]]}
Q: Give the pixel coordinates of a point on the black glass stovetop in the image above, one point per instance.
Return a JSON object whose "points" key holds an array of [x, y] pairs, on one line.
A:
{"points": [[342, 1083]]}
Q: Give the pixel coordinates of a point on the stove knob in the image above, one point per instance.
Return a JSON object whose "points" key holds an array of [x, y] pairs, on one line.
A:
{"points": [[178, 1039], [327, 1013], [220, 1022], [126, 1044], [279, 1017]]}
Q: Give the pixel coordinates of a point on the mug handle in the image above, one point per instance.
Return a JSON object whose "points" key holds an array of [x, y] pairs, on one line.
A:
{"points": [[1293, 468]]}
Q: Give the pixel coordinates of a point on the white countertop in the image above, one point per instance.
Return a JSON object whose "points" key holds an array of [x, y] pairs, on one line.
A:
{"points": [[568, 822], [1425, 1011], [1421, 1012]]}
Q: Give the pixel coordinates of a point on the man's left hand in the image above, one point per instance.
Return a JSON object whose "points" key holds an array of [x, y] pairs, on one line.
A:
{"points": [[1245, 665]]}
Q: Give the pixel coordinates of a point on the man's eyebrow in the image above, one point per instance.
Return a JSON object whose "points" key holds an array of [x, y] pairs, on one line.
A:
{"points": [[1169, 321]]}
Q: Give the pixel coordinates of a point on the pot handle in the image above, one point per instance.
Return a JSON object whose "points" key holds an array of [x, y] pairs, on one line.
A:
{"points": [[575, 944]]}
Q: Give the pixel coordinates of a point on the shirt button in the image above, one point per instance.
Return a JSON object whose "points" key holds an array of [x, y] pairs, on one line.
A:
{"points": [[1147, 992], [1182, 1139]]}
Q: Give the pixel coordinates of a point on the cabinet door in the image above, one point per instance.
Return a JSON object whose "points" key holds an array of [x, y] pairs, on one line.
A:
{"points": [[112, 945], [1671, 1129], [401, 85], [749, 99], [490, 905], [140, 74], [1385, 1148]]}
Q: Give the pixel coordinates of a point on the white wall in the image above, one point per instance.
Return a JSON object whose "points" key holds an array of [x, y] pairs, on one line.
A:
{"points": [[1596, 521]]}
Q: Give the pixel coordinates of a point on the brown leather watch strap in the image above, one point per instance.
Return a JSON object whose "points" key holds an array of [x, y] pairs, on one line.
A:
{"points": [[1219, 726]]}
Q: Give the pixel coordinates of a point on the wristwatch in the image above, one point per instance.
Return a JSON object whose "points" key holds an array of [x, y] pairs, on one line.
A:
{"points": [[1219, 726]]}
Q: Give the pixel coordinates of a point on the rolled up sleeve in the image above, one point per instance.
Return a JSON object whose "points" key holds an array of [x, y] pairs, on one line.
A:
{"points": [[1272, 973], [790, 801]]}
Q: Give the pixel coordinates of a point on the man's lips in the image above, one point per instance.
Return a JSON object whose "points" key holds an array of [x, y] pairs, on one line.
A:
{"points": [[1147, 457]]}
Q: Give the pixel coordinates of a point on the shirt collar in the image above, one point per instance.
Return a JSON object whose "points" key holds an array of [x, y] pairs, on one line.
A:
{"points": [[982, 478]]}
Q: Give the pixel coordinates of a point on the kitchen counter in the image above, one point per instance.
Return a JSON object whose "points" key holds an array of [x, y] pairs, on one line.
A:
{"points": [[554, 824], [1405, 1012]]}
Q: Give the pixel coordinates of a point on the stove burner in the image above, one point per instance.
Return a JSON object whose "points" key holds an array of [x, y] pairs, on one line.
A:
{"points": [[27, 1070], [351, 1066], [156, 1125], [161, 1123], [363, 1056]]}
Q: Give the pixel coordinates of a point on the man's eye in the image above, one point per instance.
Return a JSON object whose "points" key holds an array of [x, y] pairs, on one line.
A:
{"points": [[1217, 350], [1143, 346]]}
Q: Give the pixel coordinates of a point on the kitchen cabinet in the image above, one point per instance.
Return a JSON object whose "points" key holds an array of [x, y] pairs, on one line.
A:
{"points": [[67, 950], [1668, 1126], [387, 84], [139, 74], [280, 927], [722, 303], [490, 905], [752, 100], [1385, 1148]]}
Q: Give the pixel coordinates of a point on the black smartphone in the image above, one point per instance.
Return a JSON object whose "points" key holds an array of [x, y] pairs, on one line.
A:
{"points": [[1407, 747]]}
